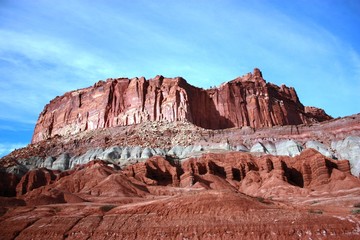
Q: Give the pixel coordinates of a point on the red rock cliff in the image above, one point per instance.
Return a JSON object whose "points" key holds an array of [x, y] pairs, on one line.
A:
{"points": [[244, 101]]}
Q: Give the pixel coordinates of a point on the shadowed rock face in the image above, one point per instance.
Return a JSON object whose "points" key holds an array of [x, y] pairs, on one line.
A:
{"points": [[198, 198], [214, 171], [8, 182], [308, 170], [244, 101]]}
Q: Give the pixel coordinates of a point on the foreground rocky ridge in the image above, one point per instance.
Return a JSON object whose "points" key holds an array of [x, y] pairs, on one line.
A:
{"points": [[198, 198], [308, 170], [244, 101]]}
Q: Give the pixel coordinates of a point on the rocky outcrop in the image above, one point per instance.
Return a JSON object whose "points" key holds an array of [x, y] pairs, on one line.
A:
{"points": [[307, 196], [320, 147], [349, 148], [34, 179], [127, 155], [154, 171], [244, 101], [337, 138], [227, 170], [8, 182], [94, 178], [247, 172]]}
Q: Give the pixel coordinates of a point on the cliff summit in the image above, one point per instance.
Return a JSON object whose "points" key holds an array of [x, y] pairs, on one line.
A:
{"points": [[245, 101]]}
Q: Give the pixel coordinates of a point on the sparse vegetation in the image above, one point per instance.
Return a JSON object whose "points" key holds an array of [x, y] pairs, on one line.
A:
{"points": [[355, 211], [107, 208], [316, 211], [265, 200]]}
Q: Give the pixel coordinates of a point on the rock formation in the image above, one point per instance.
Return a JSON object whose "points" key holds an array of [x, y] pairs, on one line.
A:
{"points": [[160, 159], [218, 171], [244, 101], [8, 182], [36, 178], [212, 171], [337, 139], [308, 170]]}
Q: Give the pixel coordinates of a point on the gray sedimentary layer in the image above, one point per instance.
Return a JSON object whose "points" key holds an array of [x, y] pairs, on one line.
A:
{"points": [[348, 148]]}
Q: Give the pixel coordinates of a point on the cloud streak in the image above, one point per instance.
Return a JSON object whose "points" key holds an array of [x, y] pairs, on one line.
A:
{"points": [[5, 148], [48, 48]]}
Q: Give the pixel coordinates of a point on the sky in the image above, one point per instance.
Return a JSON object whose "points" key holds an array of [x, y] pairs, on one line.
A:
{"points": [[50, 47]]}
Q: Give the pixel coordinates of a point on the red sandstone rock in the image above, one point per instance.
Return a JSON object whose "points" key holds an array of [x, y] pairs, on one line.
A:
{"points": [[98, 202], [167, 135], [201, 198], [194, 215], [257, 176], [155, 171], [231, 170], [91, 180], [34, 179], [8, 182], [244, 101]]}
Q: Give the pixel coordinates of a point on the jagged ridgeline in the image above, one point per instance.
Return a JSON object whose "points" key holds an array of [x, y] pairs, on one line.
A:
{"points": [[245, 101]]}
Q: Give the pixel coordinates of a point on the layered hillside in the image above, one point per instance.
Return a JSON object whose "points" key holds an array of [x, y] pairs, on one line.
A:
{"points": [[161, 159], [245, 101], [218, 196]]}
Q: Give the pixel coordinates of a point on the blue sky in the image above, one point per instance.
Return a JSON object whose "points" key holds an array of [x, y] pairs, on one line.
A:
{"points": [[50, 47]]}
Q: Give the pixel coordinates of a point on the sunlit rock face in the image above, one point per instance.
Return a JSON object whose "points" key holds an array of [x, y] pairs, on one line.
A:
{"points": [[244, 101]]}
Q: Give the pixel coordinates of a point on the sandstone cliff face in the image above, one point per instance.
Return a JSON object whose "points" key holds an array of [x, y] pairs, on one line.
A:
{"points": [[245, 101]]}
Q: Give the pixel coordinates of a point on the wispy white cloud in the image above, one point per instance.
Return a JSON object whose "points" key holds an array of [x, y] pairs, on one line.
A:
{"points": [[39, 48], [47, 49], [36, 71], [6, 148]]}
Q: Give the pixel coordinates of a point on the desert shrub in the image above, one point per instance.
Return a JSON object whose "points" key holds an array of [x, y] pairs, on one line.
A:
{"points": [[107, 208], [316, 211], [355, 211]]}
